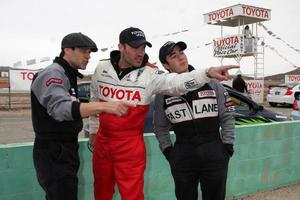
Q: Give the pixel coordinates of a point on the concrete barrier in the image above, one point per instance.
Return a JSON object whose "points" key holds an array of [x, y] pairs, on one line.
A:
{"points": [[266, 157]]}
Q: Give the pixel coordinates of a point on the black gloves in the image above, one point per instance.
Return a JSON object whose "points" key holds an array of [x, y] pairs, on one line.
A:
{"points": [[167, 152], [229, 149]]}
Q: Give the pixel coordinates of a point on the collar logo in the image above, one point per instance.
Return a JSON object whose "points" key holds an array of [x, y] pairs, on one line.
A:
{"points": [[168, 43]]}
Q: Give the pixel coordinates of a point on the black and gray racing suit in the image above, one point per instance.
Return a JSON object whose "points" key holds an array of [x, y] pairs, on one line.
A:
{"points": [[201, 152], [56, 122]]}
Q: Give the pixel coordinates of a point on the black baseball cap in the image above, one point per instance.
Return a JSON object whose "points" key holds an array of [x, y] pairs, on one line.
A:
{"points": [[167, 48], [134, 37], [78, 40]]}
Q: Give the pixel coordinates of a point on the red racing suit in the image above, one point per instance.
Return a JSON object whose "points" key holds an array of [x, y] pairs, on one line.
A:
{"points": [[119, 150]]}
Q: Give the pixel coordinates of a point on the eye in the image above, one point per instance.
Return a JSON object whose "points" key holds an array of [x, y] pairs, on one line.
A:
{"points": [[173, 56]]}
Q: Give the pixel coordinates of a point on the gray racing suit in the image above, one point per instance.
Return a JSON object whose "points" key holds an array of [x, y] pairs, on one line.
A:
{"points": [[56, 122], [202, 150]]}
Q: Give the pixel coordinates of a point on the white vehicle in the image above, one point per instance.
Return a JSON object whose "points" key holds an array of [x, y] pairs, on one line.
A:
{"points": [[282, 94], [295, 114]]}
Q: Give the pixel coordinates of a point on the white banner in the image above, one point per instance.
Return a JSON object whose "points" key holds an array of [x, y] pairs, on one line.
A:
{"points": [[20, 79], [256, 90], [292, 78], [237, 10], [230, 45]]}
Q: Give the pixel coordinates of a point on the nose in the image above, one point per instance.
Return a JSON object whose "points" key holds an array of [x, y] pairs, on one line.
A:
{"points": [[181, 56], [88, 55], [141, 52]]}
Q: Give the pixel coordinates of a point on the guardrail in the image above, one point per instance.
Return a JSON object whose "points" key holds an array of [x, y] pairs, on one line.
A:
{"points": [[266, 157]]}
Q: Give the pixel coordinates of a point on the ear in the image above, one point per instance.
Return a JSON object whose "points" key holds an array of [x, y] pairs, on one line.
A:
{"points": [[68, 51], [121, 46]]}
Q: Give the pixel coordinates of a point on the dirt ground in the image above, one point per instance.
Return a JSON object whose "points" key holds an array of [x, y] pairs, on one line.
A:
{"points": [[291, 192]]}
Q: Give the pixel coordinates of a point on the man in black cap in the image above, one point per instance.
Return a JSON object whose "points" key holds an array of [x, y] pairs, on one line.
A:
{"points": [[201, 152], [57, 117], [119, 151]]}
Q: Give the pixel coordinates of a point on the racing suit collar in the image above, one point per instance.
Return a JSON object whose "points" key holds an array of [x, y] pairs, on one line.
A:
{"points": [[67, 67], [190, 68], [114, 59]]}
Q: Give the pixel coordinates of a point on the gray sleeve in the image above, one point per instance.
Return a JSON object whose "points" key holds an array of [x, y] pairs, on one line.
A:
{"points": [[161, 124], [51, 89], [226, 111]]}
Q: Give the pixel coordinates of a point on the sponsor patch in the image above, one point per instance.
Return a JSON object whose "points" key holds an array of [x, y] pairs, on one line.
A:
{"points": [[122, 94], [190, 84], [207, 93], [178, 113], [204, 108], [53, 81], [227, 97], [134, 75], [229, 105], [159, 72], [172, 100]]}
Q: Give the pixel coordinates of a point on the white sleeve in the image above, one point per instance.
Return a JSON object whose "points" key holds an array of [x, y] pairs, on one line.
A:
{"points": [[94, 120], [177, 84]]}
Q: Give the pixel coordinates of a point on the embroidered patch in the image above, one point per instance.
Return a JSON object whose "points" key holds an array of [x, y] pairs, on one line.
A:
{"points": [[229, 105], [134, 75], [159, 72], [190, 84], [53, 80], [172, 100], [207, 93]]}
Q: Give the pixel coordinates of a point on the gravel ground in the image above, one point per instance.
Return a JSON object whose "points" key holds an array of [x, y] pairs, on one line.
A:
{"points": [[291, 192]]}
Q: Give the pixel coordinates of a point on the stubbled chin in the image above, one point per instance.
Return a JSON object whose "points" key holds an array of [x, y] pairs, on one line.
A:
{"points": [[136, 64], [82, 67]]}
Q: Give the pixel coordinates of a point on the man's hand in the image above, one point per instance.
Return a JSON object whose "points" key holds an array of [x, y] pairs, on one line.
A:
{"points": [[116, 107], [221, 73], [94, 108]]}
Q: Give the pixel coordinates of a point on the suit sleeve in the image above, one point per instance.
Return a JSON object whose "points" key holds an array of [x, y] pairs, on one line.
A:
{"points": [[94, 120], [161, 124], [51, 90], [226, 113], [176, 84]]}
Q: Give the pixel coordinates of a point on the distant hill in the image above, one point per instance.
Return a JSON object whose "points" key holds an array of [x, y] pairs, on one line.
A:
{"points": [[280, 77]]}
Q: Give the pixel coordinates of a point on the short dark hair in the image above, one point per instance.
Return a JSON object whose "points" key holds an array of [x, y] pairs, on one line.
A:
{"points": [[62, 52]]}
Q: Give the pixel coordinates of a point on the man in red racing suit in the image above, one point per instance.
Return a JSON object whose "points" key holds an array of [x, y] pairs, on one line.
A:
{"points": [[119, 151]]}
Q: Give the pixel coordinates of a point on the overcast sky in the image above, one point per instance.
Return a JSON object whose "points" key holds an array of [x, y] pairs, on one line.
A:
{"points": [[34, 28]]}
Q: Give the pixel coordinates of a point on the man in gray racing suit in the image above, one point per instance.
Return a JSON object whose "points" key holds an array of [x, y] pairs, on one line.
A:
{"points": [[57, 117], [200, 153]]}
